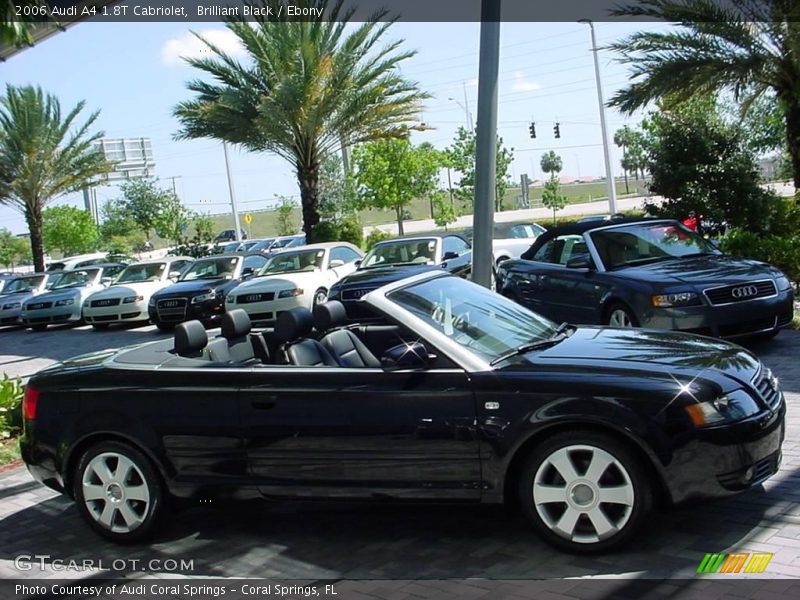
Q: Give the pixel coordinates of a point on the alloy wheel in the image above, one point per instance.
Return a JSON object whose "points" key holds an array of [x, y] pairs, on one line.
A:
{"points": [[115, 492], [583, 494], [619, 317]]}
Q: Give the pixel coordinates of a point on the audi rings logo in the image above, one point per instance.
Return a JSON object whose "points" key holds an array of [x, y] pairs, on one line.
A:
{"points": [[169, 303], [745, 291], [252, 298]]}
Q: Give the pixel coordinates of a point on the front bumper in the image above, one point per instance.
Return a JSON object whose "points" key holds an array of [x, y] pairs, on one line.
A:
{"points": [[209, 311], [267, 311], [52, 316], [122, 313], [741, 319], [10, 316], [724, 460]]}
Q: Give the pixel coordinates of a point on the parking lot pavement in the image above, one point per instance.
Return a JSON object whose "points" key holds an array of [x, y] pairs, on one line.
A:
{"points": [[358, 541]]}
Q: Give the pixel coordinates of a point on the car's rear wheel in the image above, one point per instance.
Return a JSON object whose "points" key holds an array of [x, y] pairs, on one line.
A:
{"points": [[584, 491], [118, 492], [320, 296], [619, 315], [165, 326]]}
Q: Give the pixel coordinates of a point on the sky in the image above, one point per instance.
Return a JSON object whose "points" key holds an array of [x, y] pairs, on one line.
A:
{"points": [[133, 74]]}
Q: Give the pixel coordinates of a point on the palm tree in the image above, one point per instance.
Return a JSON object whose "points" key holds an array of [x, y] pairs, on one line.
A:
{"points": [[748, 47], [308, 88], [42, 156], [15, 32]]}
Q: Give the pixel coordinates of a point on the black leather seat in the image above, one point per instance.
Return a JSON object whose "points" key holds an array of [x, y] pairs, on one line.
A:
{"points": [[292, 329], [190, 339], [342, 343], [243, 346]]}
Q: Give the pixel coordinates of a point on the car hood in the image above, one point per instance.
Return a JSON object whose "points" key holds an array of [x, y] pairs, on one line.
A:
{"points": [[650, 350], [378, 276], [704, 271], [279, 281], [123, 290], [17, 297], [196, 286], [75, 293]]}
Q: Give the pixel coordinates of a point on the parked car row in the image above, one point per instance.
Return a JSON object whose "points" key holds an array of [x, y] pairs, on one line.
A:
{"points": [[651, 273]]}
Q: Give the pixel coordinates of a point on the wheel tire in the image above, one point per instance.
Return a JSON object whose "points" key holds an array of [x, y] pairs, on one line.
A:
{"points": [[165, 326], [38, 327], [100, 326], [320, 296], [123, 519], [571, 524], [619, 315]]}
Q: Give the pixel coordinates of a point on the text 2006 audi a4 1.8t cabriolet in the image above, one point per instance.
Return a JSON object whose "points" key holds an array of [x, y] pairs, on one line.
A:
{"points": [[459, 395]]}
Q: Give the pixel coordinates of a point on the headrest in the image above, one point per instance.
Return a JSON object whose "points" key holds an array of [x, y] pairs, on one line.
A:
{"points": [[235, 324], [293, 324], [328, 315], [190, 337]]}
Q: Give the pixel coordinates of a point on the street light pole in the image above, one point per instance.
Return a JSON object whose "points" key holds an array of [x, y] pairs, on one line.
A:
{"points": [[485, 144], [612, 187], [232, 194], [467, 116]]}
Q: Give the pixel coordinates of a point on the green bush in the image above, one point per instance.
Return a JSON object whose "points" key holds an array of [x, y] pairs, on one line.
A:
{"points": [[780, 251], [350, 230], [324, 231], [375, 236], [11, 392]]}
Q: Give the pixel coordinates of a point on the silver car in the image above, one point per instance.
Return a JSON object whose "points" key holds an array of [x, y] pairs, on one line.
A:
{"points": [[63, 303], [20, 289]]}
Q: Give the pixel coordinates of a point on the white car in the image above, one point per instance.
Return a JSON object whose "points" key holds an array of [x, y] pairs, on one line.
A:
{"points": [[125, 300], [292, 278], [20, 289], [63, 302], [512, 239]]}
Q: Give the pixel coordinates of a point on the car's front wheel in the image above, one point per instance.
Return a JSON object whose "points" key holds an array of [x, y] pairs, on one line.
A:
{"points": [[165, 326], [118, 492], [619, 315], [584, 491], [320, 296]]}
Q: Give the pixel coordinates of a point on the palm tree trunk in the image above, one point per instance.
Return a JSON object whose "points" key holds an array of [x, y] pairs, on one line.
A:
{"points": [[399, 210], [792, 117], [308, 178], [33, 215], [625, 173]]}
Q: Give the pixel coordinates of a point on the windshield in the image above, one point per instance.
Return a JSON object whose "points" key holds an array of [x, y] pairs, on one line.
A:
{"points": [[401, 252], [294, 262], [480, 320], [26, 284], [71, 279], [218, 268], [648, 242], [146, 272], [261, 244], [281, 243]]}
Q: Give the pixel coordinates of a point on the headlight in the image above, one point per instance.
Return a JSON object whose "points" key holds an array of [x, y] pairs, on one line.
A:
{"points": [[290, 293], [132, 299], [783, 283], [65, 302], [203, 297], [10, 306], [730, 407], [678, 299], [152, 302]]}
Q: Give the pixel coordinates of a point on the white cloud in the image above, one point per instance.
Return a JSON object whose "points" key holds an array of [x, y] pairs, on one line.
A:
{"points": [[188, 46], [521, 84]]}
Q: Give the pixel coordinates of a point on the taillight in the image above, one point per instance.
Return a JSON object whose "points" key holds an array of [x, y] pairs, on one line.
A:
{"points": [[29, 402]]}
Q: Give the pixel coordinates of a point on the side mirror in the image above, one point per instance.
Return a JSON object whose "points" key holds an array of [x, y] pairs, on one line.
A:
{"points": [[413, 356], [450, 255], [248, 272], [357, 263], [336, 263], [580, 262]]}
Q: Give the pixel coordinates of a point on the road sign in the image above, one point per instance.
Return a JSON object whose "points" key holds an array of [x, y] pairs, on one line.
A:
{"points": [[248, 218]]}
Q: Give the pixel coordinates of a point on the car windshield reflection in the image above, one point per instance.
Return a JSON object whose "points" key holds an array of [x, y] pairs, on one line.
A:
{"points": [[220, 268], [401, 252], [294, 262], [485, 323], [645, 242]]}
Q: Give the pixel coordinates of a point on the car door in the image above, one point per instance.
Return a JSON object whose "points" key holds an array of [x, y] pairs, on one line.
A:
{"points": [[328, 431]]}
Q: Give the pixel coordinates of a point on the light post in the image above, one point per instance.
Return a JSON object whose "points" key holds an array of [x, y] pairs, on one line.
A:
{"points": [[467, 114], [612, 187], [234, 208]]}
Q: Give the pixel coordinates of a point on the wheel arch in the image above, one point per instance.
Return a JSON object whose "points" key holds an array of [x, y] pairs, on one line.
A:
{"points": [[611, 300], [661, 493]]}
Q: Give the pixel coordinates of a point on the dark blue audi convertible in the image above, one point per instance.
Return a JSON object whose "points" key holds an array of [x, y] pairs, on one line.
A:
{"points": [[647, 273]]}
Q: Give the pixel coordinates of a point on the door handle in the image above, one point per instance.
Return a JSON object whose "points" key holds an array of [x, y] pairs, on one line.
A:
{"points": [[263, 404]]}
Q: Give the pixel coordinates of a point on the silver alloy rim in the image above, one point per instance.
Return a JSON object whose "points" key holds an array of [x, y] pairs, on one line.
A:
{"points": [[620, 318], [320, 297], [583, 494], [115, 492]]}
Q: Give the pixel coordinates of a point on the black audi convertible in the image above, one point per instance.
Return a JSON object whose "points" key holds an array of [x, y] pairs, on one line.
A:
{"points": [[458, 395]]}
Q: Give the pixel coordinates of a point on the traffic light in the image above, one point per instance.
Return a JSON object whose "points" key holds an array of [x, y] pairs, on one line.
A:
{"points": [[557, 130], [532, 129]]}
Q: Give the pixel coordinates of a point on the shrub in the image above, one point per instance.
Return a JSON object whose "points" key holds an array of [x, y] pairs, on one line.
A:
{"points": [[375, 236], [10, 405], [324, 231], [780, 251], [350, 230]]}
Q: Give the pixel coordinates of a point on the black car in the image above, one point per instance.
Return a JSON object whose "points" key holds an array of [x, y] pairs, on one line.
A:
{"points": [[397, 258], [464, 397], [229, 235], [651, 273], [200, 291]]}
